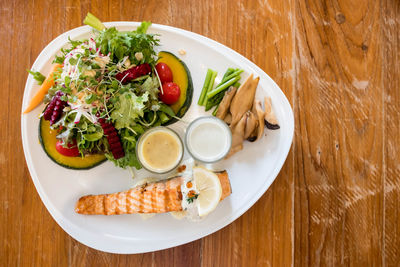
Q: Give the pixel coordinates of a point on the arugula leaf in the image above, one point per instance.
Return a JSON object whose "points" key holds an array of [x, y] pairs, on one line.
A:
{"points": [[37, 76]]}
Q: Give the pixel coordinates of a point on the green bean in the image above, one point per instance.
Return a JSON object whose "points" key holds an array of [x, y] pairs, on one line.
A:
{"points": [[232, 75], [236, 85], [210, 86], [228, 72], [205, 87], [222, 86]]}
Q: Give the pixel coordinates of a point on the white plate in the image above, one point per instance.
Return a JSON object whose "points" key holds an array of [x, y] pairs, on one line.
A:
{"points": [[251, 171]]}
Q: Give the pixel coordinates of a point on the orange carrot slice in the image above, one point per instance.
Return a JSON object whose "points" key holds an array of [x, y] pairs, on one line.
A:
{"points": [[46, 85]]}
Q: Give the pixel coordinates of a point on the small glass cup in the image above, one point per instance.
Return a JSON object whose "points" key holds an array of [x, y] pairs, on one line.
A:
{"points": [[140, 144], [219, 124]]}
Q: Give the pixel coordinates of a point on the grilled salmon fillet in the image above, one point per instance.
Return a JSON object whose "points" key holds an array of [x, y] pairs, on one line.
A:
{"points": [[158, 197]]}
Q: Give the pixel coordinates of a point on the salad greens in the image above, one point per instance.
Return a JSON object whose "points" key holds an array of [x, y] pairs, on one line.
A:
{"points": [[92, 91]]}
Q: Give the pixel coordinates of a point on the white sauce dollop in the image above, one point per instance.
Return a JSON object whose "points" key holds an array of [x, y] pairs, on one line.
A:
{"points": [[190, 207]]}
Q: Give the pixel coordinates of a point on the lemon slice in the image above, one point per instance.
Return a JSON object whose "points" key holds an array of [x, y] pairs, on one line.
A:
{"points": [[209, 187]]}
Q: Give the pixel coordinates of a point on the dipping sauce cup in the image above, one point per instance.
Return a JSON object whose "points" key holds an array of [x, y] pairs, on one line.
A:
{"points": [[208, 139], [159, 149]]}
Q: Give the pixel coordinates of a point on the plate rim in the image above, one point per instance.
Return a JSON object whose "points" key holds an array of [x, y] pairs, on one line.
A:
{"points": [[75, 231]]}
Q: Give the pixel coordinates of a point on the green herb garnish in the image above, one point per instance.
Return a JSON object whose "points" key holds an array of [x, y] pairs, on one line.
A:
{"points": [[192, 198]]}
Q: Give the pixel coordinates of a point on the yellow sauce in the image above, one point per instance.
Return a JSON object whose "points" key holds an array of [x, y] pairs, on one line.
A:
{"points": [[160, 150]]}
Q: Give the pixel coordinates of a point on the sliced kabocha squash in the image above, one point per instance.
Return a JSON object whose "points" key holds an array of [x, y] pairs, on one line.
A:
{"points": [[47, 138], [181, 76]]}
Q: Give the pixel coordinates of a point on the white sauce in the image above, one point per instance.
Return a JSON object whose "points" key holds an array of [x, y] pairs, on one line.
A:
{"points": [[208, 139], [190, 208]]}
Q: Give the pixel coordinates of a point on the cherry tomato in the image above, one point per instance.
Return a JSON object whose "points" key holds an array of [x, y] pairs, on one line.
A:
{"points": [[171, 93], [71, 151], [164, 72]]}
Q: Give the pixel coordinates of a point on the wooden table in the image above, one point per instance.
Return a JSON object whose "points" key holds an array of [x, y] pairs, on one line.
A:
{"points": [[336, 200]]}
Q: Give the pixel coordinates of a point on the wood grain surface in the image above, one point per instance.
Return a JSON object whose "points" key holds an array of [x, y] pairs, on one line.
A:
{"points": [[336, 202]]}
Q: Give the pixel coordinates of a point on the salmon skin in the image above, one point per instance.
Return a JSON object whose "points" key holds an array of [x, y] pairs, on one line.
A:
{"points": [[158, 197]]}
